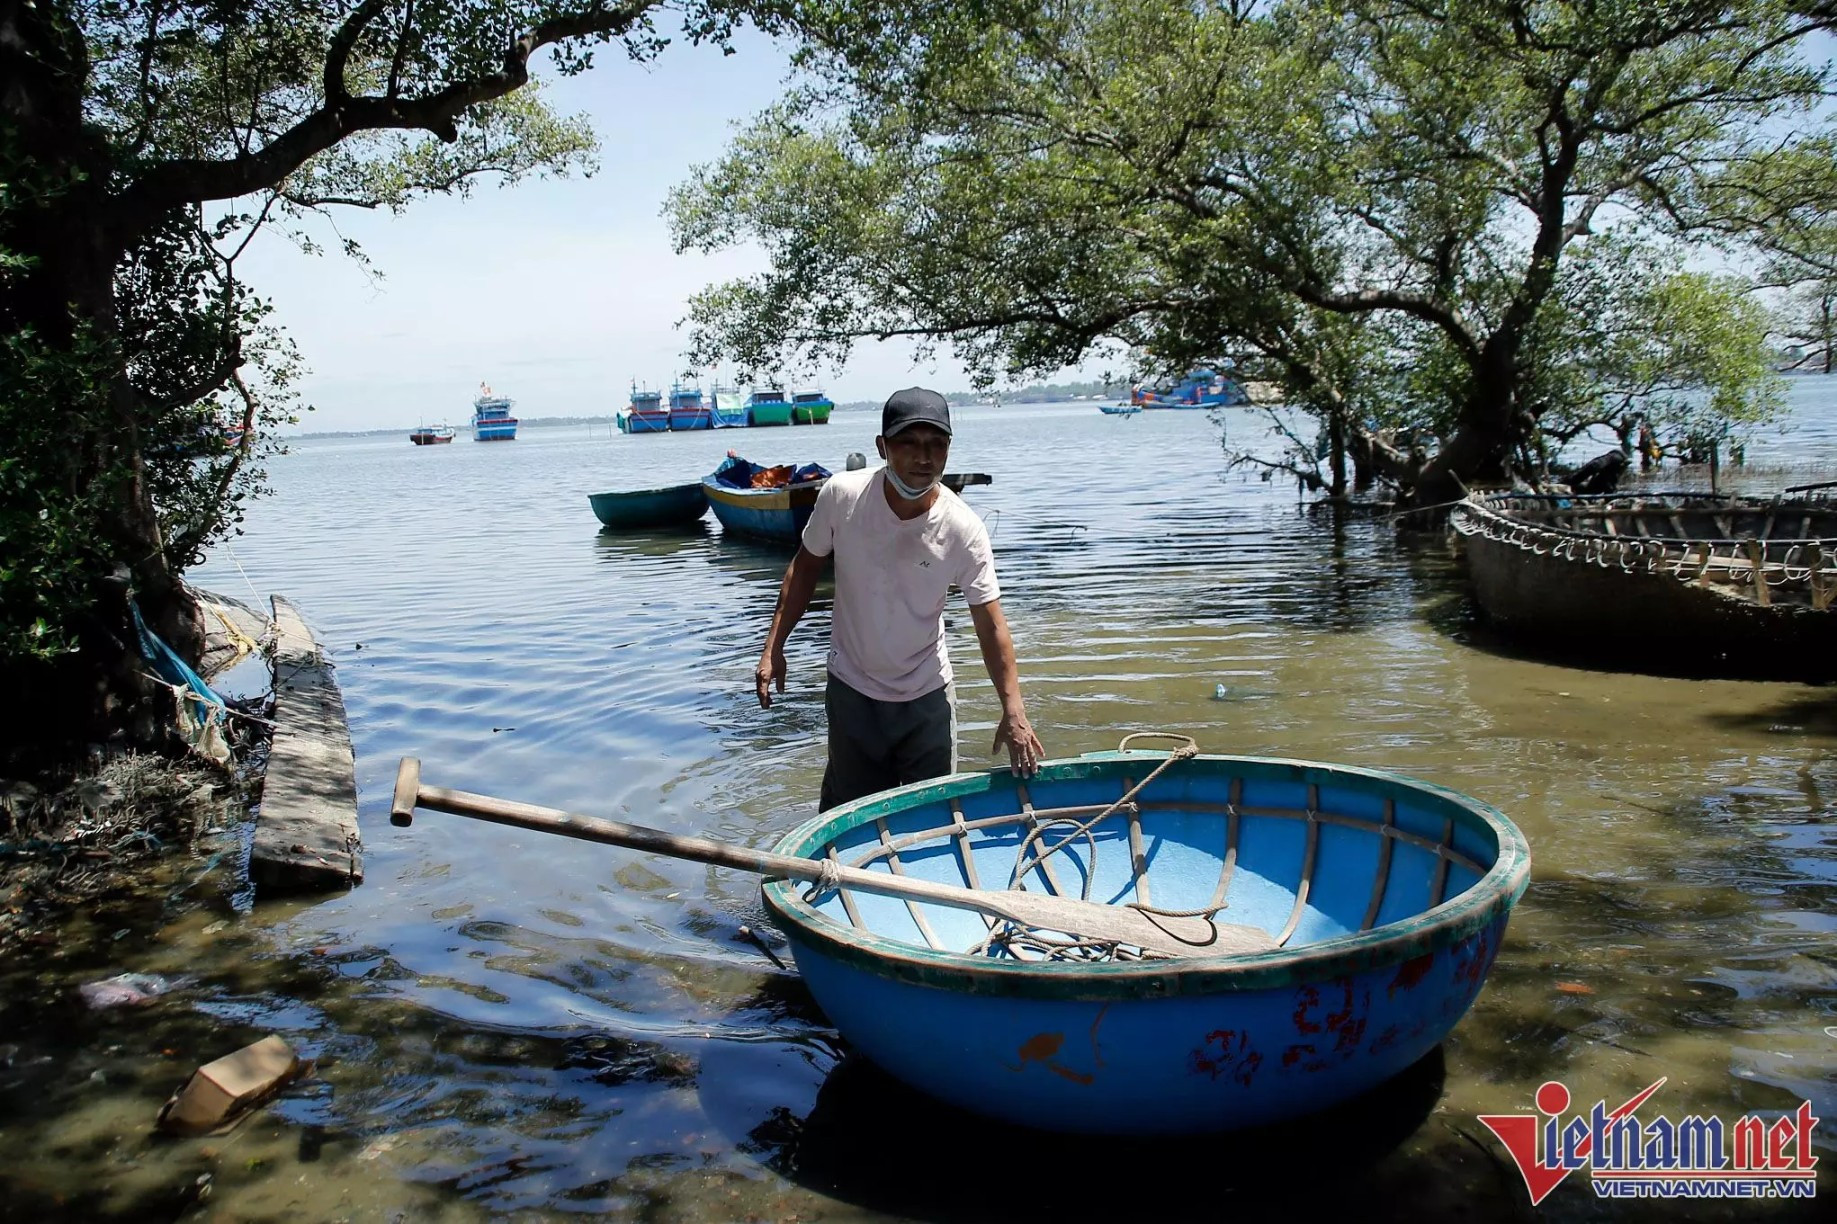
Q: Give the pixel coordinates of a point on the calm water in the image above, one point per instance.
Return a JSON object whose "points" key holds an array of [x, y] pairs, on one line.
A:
{"points": [[516, 1026]]}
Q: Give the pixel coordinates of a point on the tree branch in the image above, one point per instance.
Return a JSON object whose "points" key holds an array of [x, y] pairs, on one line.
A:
{"points": [[401, 48], [1416, 306], [179, 552], [338, 53], [191, 180]]}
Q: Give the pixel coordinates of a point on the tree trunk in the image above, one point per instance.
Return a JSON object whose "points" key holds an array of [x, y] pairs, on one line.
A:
{"points": [[1829, 339], [1479, 453], [1364, 463], [63, 295], [1336, 452], [103, 691], [1488, 432]]}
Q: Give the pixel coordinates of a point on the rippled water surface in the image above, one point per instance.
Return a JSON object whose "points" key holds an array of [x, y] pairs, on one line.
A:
{"points": [[518, 1026]]}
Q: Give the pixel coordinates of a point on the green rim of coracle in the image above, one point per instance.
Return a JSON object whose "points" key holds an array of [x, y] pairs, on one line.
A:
{"points": [[1433, 929]]}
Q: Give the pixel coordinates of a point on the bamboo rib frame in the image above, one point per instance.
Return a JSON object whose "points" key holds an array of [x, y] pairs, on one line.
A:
{"points": [[1124, 822]]}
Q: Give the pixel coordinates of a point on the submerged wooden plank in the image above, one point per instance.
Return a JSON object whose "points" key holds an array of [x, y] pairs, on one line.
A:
{"points": [[306, 836], [232, 632]]}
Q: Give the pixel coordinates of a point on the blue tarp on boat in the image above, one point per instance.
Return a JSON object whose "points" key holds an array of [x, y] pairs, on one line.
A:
{"points": [[738, 473]]}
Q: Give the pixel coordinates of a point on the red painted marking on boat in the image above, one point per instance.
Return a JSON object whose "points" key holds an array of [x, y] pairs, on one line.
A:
{"points": [[1040, 1047], [1096, 1052], [1473, 959], [1346, 1023], [1306, 1000], [1411, 973], [1232, 1056], [1349, 1021], [1203, 1060]]}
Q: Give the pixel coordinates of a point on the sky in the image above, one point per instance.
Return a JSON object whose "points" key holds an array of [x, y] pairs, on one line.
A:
{"points": [[557, 293]]}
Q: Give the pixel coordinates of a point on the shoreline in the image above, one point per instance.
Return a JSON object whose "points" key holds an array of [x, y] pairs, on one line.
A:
{"points": [[284, 790]]}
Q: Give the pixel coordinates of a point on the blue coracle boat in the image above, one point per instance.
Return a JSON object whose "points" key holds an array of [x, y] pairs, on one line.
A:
{"points": [[1384, 901], [670, 506]]}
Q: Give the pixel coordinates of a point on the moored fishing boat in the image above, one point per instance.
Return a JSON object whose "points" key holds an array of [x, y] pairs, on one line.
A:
{"points": [[810, 407], [1376, 905], [431, 435], [669, 506], [1119, 409], [773, 504], [645, 413], [768, 406], [760, 503], [1201, 388], [1672, 582], [687, 411], [725, 409], [491, 419]]}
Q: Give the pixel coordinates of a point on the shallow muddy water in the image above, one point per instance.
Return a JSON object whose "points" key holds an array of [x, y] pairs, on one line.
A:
{"points": [[514, 1026]]}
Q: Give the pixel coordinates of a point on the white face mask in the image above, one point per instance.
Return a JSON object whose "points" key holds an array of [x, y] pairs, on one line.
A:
{"points": [[905, 490]]}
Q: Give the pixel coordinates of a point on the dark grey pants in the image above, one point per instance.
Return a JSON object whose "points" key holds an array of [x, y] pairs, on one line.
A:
{"points": [[877, 745]]}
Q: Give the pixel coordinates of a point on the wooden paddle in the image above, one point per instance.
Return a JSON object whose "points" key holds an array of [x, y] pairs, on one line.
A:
{"points": [[1069, 915]]}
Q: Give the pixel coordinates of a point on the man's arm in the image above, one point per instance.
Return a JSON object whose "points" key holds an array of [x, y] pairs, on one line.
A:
{"points": [[1024, 750], [793, 600]]}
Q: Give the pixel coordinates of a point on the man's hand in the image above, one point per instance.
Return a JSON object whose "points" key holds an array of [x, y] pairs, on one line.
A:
{"points": [[1024, 750], [771, 670]]}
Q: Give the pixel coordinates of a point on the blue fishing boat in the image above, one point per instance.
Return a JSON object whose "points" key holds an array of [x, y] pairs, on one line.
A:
{"points": [[1360, 912], [491, 419], [759, 503], [670, 506], [725, 408], [645, 413], [1202, 388], [1119, 409], [687, 411]]}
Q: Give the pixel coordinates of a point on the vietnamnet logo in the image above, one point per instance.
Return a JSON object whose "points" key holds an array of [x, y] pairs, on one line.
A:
{"points": [[1628, 1157]]}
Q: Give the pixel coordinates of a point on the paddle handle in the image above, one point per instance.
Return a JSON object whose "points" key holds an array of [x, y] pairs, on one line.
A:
{"points": [[410, 794], [1092, 919], [407, 790]]}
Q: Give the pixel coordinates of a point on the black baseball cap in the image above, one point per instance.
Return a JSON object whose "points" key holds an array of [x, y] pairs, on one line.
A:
{"points": [[914, 406]]}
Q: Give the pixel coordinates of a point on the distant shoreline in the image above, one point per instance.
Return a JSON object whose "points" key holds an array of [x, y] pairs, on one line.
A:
{"points": [[1260, 394], [608, 419]]}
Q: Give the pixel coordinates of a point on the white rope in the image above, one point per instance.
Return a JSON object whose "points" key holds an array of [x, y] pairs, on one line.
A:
{"points": [[828, 879], [1782, 561], [1013, 939], [186, 692], [245, 576]]}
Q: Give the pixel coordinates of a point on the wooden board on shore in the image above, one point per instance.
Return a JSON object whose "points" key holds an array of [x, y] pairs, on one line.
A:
{"points": [[306, 836]]}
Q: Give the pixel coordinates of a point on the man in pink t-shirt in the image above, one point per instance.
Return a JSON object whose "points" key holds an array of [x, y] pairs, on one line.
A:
{"points": [[900, 541]]}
